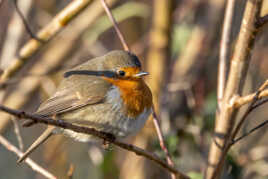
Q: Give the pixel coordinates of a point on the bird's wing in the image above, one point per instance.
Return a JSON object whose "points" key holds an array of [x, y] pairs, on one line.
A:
{"points": [[74, 93]]}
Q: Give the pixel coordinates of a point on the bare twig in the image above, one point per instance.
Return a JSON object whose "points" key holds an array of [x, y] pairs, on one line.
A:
{"points": [[240, 101], [109, 14], [24, 21], [156, 121], [162, 143], [251, 107], [47, 33], [225, 45], [30, 162], [14, 32], [232, 140], [92, 131], [249, 132], [18, 134], [238, 68]]}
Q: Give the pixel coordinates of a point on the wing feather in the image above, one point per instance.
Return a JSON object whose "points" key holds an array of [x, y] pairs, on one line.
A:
{"points": [[75, 92]]}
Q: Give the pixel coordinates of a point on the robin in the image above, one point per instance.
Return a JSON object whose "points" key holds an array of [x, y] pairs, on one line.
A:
{"points": [[106, 93]]}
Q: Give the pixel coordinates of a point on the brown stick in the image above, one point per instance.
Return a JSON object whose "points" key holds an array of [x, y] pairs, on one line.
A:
{"points": [[225, 118], [92, 131], [240, 101], [155, 119], [224, 49], [24, 21], [29, 161], [238, 127], [118, 32], [162, 143]]}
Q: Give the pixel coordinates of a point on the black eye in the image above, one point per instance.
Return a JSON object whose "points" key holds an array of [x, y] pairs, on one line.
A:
{"points": [[121, 73]]}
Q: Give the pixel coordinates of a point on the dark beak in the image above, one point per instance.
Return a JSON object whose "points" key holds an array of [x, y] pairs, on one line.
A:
{"points": [[141, 73]]}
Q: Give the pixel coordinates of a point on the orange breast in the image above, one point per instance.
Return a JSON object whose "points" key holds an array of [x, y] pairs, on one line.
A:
{"points": [[136, 95]]}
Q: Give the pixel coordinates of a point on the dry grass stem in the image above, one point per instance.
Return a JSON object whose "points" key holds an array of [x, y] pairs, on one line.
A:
{"points": [[18, 134], [28, 161]]}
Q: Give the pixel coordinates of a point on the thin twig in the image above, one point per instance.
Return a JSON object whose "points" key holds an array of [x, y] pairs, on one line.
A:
{"points": [[24, 21], [18, 134], [249, 132], [244, 117], [29, 161], [251, 107], [119, 34], [14, 32], [225, 45], [92, 131], [161, 141]]}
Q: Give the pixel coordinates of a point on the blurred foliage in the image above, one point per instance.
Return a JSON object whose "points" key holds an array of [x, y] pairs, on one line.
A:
{"points": [[194, 175], [180, 35]]}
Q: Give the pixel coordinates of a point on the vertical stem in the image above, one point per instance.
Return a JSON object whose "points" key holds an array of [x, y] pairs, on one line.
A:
{"points": [[158, 56], [239, 66], [225, 43]]}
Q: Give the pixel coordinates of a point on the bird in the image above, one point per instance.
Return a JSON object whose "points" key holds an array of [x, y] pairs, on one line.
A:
{"points": [[106, 93]]}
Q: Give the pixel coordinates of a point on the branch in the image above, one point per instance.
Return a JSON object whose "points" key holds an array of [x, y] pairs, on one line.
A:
{"points": [[224, 49], [118, 32], [46, 34], [251, 107], [225, 118], [155, 119], [161, 141], [24, 21], [92, 131], [30, 162], [232, 140], [249, 132], [240, 101]]}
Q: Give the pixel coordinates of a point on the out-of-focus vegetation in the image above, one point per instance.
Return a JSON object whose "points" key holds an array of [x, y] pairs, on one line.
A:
{"points": [[186, 92]]}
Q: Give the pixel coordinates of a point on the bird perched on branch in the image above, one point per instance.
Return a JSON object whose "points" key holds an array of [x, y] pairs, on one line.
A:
{"points": [[106, 93]]}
